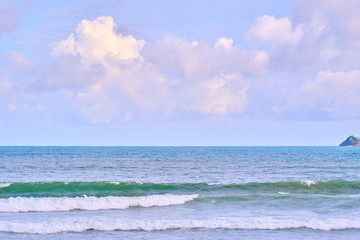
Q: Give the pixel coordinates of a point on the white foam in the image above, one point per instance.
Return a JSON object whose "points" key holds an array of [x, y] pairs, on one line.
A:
{"points": [[106, 224], [20, 204], [116, 183], [308, 182], [283, 193], [4, 185], [351, 196]]}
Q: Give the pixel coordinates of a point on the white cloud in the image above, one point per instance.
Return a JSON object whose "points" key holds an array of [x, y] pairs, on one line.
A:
{"points": [[259, 63], [276, 31], [106, 73], [112, 79], [98, 39], [137, 85], [341, 16], [334, 93], [108, 76], [318, 35], [218, 96], [209, 80], [198, 60], [172, 75], [224, 42]]}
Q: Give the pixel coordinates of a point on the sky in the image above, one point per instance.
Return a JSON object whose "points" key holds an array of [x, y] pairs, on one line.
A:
{"points": [[179, 73]]}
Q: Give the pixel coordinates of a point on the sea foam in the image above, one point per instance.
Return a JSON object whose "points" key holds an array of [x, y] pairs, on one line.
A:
{"points": [[49, 204], [101, 224], [4, 185], [308, 182]]}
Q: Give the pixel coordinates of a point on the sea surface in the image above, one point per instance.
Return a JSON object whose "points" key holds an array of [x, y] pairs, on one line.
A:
{"points": [[179, 193]]}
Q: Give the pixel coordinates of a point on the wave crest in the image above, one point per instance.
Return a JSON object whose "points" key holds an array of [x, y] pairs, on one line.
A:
{"points": [[49, 204]]}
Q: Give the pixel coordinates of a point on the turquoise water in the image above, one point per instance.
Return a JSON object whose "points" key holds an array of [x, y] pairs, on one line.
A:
{"points": [[179, 192]]}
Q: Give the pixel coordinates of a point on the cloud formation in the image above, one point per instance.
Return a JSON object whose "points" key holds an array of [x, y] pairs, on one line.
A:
{"points": [[97, 40], [110, 73], [307, 62], [276, 31], [111, 78], [333, 93], [209, 79], [316, 50]]}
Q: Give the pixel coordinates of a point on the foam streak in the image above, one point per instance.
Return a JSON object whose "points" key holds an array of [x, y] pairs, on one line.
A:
{"points": [[83, 224]]}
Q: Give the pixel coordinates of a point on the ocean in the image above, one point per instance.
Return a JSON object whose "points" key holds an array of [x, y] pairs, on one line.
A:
{"points": [[179, 192]]}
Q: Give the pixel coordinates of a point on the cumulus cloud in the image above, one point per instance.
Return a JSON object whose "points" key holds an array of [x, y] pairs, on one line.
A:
{"points": [[309, 63], [293, 46], [341, 16], [111, 76], [109, 99], [224, 42], [192, 59], [98, 39], [107, 74], [114, 77], [318, 35], [275, 31], [220, 95], [209, 79], [317, 42]]}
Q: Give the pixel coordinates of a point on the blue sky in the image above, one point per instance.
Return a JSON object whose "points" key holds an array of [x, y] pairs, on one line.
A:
{"points": [[121, 72]]}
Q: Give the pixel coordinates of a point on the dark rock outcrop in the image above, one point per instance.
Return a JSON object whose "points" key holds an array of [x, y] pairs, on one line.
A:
{"points": [[350, 141]]}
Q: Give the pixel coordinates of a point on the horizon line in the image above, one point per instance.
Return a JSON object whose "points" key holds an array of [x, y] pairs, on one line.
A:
{"points": [[170, 146]]}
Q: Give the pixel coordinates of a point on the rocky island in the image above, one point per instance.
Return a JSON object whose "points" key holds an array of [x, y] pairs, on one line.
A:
{"points": [[351, 141]]}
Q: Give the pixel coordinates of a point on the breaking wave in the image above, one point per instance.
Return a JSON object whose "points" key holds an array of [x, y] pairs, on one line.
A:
{"points": [[49, 204]]}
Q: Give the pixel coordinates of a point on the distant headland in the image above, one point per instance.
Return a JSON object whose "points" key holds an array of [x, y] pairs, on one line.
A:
{"points": [[351, 141]]}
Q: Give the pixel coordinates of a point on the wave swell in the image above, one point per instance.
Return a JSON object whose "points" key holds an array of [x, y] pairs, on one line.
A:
{"points": [[102, 189]]}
